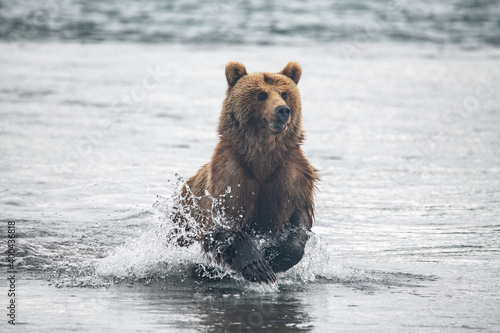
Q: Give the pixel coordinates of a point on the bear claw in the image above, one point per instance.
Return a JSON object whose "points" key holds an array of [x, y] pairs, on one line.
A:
{"points": [[259, 272], [237, 250]]}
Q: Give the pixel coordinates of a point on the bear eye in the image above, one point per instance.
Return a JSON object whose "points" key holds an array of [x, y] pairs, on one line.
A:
{"points": [[262, 96], [284, 95]]}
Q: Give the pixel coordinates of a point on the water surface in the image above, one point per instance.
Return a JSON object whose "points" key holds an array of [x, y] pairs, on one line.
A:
{"points": [[406, 138]]}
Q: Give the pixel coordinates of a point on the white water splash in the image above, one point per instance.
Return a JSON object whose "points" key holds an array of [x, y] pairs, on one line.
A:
{"points": [[156, 255]]}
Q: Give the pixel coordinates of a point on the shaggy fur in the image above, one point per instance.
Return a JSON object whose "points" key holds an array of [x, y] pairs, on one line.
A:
{"points": [[259, 157]]}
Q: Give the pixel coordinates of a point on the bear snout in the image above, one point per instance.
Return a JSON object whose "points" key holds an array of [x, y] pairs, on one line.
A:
{"points": [[281, 118], [282, 113]]}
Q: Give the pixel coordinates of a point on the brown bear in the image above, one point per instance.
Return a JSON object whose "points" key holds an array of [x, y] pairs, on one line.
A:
{"points": [[258, 178]]}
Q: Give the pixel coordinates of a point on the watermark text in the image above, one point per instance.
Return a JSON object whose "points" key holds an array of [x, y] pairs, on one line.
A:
{"points": [[11, 272]]}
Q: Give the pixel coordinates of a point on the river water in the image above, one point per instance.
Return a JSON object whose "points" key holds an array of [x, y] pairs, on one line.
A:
{"points": [[98, 130]]}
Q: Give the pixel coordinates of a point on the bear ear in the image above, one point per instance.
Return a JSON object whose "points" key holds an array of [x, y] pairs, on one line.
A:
{"points": [[293, 71], [234, 71]]}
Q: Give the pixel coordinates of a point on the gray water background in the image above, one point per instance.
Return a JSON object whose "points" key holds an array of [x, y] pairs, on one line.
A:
{"points": [[460, 22], [102, 106]]}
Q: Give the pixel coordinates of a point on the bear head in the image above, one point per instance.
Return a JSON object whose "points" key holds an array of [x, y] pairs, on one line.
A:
{"points": [[263, 105]]}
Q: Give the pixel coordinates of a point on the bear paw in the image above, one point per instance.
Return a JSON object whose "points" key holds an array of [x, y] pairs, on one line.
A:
{"points": [[259, 272], [237, 250]]}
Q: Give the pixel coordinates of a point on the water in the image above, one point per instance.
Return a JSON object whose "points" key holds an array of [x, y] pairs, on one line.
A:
{"points": [[404, 132], [466, 23]]}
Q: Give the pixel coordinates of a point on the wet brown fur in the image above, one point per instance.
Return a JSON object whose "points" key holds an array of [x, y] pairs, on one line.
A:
{"points": [[268, 174]]}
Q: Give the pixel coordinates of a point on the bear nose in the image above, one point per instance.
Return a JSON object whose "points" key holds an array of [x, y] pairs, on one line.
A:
{"points": [[282, 113]]}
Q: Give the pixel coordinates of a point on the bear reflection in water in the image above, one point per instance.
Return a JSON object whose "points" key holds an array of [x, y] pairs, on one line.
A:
{"points": [[259, 158]]}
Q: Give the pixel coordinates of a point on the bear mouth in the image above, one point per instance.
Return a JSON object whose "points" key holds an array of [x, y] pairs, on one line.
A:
{"points": [[277, 127]]}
